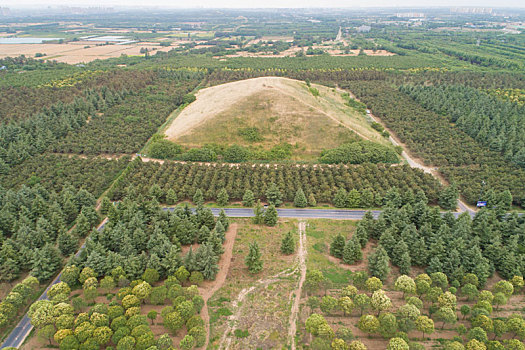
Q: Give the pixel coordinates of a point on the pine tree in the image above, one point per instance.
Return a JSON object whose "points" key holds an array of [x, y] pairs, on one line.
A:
{"points": [[258, 212], [274, 195], [46, 261], [361, 234], [171, 197], [105, 205], [222, 197], [253, 259], [198, 197], [224, 220], [353, 199], [206, 261], [67, 244], [204, 234], [378, 263], [404, 264], [448, 198], [340, 199], [288, 244], [219, 228], [271, 216], [349, 252], [311, 200], [215, 241], [400, 249], [189, 261], [337, 246], [248, 199], [300, 199]]}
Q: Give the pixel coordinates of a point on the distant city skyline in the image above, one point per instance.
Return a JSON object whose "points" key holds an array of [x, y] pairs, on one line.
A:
{"points": [[265, 3]]}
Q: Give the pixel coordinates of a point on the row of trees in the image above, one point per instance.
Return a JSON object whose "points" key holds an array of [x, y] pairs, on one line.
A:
{"points": [[430, 136], [33, 221], [494, 123], [359, 152], [417, 235], [181, 181], [54, 171], [125, 127]]}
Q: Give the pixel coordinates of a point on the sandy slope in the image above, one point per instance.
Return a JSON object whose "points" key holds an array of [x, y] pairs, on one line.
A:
{"points": [[215, 100]]}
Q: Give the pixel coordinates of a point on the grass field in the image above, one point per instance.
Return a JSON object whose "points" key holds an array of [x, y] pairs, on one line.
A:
{"points": [[247, 318]]}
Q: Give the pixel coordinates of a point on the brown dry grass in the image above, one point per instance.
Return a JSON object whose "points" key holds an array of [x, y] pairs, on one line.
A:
{"points": [[283, 110]]}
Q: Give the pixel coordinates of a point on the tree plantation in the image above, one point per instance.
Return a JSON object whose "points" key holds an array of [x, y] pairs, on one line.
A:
{"points": [[335, 179]]}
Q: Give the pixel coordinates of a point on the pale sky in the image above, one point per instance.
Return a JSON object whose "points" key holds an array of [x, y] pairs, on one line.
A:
{"points": [[265, 3]]}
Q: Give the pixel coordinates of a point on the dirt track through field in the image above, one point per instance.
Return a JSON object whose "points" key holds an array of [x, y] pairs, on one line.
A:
{"points": [[301, 255], [239, 301], [206, 290]]}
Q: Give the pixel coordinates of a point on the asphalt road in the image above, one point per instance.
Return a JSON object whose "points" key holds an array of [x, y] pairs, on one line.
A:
{"points": [[24, 327]]}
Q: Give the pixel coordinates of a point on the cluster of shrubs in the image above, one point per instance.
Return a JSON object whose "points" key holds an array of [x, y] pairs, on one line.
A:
{"points": [[428, 299], [161, 148], [72, 321], [17, 299]]}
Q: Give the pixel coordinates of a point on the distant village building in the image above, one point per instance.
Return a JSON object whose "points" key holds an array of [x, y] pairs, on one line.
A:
{"points": [[363, 29], [410, 15], [476, 10]]}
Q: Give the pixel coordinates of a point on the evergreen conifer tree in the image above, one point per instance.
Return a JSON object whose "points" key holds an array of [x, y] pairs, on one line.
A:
{"points": [[67, 244], [206, 261], [222, 197], [171, 197], [340, 199], [248, 199], [198, 197], [311, 200], [300, 199], [288, 243], [271, 216], [253, 259], [378, 263], [274, 195], [258, 212], [337, 246]]}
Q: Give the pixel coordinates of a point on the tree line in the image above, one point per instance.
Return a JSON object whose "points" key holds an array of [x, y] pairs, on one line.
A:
{"points": [[177, 181], [139, 235], [431, 137], [414, 234], [494, 123], [34, 229]]}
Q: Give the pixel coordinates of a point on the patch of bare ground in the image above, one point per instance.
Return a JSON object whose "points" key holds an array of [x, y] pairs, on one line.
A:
{"points": [[253, 310], [301, 257], [208, 288]]}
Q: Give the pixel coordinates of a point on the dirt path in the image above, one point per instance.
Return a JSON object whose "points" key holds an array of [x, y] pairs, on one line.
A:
{"points": [[411, 160], [207, 289], [233, 319], [301, 256], [239, 301]]}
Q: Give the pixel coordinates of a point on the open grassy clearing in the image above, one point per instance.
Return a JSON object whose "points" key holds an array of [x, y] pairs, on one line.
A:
{"points": [[261, 313], [268, 111]]}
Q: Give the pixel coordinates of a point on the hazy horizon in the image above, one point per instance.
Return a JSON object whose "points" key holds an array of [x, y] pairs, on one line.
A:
{"points": [[232, 4]]}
